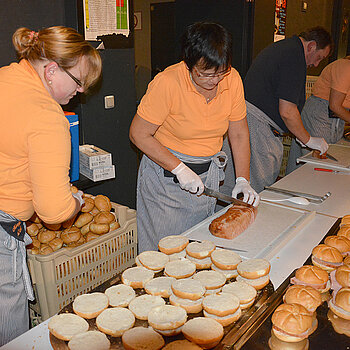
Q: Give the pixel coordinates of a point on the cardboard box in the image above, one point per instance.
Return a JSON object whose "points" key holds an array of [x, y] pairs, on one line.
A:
{"points": [[98, 174], [92, 157]]}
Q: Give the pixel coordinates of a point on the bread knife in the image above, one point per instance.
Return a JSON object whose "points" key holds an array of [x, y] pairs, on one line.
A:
{"points": [[224, 197], [331, 157]]}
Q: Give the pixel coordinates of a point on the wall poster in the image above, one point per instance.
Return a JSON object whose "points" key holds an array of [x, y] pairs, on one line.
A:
{"points": [[280, 20], [103, 17]]}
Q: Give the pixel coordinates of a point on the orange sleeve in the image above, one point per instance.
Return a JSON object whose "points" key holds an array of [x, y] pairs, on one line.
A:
{"points": [[49, 158], [239, 108]]}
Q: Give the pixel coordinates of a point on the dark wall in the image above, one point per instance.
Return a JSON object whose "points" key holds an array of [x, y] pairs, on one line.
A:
{"points": [[233, 15], [106, 128]]}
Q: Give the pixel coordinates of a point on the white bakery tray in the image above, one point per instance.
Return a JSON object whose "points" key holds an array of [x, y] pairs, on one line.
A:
{"points": [[273, 227]]}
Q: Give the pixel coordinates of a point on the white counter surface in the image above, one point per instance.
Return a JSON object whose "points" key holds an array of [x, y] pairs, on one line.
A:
{"points": [[290, 257]]}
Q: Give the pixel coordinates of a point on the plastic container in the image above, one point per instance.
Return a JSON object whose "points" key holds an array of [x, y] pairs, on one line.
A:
{"points": [[74, 133], [61, 276]]}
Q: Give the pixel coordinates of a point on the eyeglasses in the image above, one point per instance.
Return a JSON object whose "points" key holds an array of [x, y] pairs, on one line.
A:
{"points": [[210, 75], [76, 80]]}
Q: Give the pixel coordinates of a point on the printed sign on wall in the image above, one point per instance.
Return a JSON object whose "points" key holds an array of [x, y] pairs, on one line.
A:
{"points": [[280, 19]]}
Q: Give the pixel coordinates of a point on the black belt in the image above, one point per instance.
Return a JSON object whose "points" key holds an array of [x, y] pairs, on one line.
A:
{"points": [[197, 168], [15, 229]]}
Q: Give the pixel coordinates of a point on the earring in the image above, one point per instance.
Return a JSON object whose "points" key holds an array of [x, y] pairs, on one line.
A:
{"points": [[50, 82]]}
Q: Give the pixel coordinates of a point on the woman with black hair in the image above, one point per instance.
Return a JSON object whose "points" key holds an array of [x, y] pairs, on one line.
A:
{"points": [[179, 126]]}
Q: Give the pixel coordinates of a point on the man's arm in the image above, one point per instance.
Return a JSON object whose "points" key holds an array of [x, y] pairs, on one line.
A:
{"points": [[291, 117]]}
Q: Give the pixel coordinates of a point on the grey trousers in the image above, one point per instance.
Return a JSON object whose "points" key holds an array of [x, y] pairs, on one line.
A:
{"points": [[163, 208], [316, 121]]}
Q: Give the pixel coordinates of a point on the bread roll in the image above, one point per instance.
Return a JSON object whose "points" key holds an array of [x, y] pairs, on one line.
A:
{"points": [[114, 225], [253, 268], [136, 277], [173, 244], [222, 304], [200, 250], [32, 228], [167, 317], [85, 229], [188, 289], [201, 264], [104, 217], [191, 306], [70, 235], [94, 211], [90, 236], [142, 338], [180, 268], [257, 283], [88, 205], [120, 295], [91, 340], [224, 320], [183, 344], [225, 259], [90, 305], [159, 286], [204, 331], [210, 279], [66, 325], [56, 244], [45, 249], [228, 273], [35, 242], [83, 219], [35, 218], [46, 236], [317, 154], [99, 229], [244, 291], [143, 304], [115, 321], [102, 203], [153, 260]]}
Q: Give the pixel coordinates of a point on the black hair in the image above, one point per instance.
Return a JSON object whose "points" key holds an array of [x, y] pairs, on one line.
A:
{"points": [[209, 44], [320, 35]]}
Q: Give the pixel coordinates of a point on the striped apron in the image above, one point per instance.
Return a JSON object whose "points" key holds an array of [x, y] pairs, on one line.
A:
{"points": [[163, 208], [15, 284], [316, 120]]}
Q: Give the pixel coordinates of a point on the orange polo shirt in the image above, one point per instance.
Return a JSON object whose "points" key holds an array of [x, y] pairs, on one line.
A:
{"points": [[335, 75], [34, 148], [188, 124]]}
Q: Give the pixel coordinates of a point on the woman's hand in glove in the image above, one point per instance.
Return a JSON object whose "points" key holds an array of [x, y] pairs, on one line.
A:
{"points": [[188, 179], [243, 186]]}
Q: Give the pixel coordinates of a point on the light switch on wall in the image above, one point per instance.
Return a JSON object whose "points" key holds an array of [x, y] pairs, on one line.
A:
{"points": [[109, 102]]}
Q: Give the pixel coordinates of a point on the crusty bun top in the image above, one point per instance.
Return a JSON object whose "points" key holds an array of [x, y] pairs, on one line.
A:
{"points": [[342, 299], [339, 242], [292, 318], [102, 203], [153, 260], [306, 296], [342, 275], [327, 253], [347, 260], [311, 274], [253, 268]]}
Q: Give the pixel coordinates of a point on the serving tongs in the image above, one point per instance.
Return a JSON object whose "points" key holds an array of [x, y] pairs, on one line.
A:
{"points": [[311, 197]]}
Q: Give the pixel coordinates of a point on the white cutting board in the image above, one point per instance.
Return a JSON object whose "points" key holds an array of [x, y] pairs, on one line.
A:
{"points": [[273, 227], [340, 152]]}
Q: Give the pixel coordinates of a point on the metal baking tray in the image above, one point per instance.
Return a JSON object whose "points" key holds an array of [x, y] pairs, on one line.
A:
{"points": [[231, 333], [324, 338]]}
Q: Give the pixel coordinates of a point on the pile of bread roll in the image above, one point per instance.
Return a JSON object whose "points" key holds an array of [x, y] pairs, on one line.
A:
{"points": [[296, 319], [94, 219], [180, 279]]}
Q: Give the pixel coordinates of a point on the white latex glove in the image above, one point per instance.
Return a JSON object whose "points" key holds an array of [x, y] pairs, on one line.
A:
{"points": [[79, 197], [243, 186], [318, 143], [188, 179]]}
